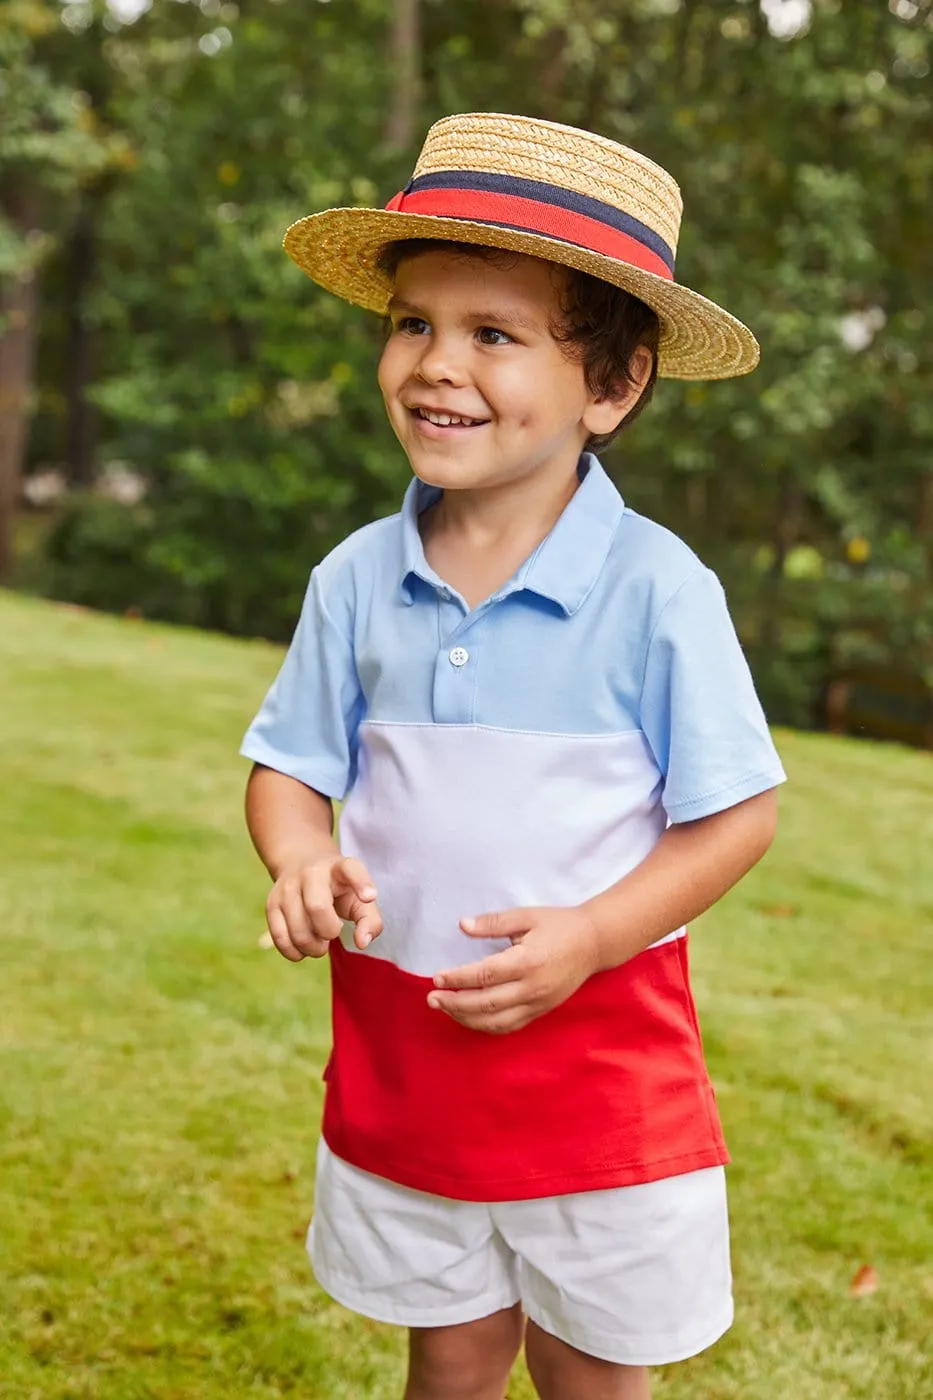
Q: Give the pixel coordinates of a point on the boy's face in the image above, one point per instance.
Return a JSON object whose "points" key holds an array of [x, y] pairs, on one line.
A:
{"points": [[471, 340]]}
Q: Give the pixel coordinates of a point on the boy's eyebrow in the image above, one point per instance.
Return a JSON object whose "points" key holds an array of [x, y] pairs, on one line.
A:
{"points": [[399, 304], [505, 316]]}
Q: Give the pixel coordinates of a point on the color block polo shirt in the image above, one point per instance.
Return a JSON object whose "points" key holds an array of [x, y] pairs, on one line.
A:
{"points": [[530, 751]]}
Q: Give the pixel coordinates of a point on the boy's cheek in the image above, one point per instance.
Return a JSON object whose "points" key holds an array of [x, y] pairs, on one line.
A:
{"points": [[395, 364], [384, 374]]}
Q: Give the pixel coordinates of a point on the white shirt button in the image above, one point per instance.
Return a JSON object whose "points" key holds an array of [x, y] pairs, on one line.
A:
{"points": [[459, 656]]}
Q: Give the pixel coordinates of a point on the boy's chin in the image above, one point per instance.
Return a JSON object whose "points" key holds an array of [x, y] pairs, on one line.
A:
{"points": [[448, 477], [447, 474]]}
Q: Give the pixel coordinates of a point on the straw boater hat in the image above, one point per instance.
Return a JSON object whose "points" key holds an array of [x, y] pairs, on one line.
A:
{"points": [[550, 191]]}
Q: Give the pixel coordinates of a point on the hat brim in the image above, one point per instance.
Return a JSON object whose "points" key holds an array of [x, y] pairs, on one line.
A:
{"points": [[339, 249]]}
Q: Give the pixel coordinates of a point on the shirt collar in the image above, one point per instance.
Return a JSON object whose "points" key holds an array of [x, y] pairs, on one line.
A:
{"points": [[414, 565], [567, 562]]}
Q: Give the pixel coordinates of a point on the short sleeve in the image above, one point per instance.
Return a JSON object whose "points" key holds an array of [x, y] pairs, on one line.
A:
{"points": [[699, 709], [308, 724]]}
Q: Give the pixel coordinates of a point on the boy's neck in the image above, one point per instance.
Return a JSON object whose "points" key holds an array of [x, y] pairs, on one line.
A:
{"points": [[476, 540]]}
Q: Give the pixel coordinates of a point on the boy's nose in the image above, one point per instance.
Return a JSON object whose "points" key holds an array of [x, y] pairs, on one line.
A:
{"points": [[441, 363]]}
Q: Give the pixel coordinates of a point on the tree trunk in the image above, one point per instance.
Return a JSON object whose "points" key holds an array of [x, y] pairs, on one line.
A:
{"points": [[18, 315], [405, 59], [925, 516], [81, 416]]}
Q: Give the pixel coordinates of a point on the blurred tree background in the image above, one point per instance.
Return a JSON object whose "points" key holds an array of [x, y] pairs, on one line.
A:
{"points": [[187, 424]]}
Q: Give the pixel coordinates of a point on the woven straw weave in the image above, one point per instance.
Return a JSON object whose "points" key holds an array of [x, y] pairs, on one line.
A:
{"points": [[339, 248], [559, 155]]}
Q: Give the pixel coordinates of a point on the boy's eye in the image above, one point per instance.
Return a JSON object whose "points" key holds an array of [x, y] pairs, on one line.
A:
{"points": [[488, 335], [412, 325]]}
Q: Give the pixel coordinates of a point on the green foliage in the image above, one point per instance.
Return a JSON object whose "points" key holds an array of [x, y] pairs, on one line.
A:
{"points": [[246, 398], [48, 142]]}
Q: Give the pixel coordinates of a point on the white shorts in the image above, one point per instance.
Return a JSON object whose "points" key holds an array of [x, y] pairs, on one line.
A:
{"points": [[638, 1275]]}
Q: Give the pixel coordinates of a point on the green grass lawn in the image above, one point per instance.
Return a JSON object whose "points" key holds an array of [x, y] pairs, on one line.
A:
{"points": [[160, 1072]]}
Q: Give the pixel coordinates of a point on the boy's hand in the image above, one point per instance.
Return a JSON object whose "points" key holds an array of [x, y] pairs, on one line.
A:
{"points": [[307, 907], [553, 952]]}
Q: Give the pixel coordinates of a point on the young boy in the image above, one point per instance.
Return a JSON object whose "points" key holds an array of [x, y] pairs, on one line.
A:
{"points": [[552, 758]]}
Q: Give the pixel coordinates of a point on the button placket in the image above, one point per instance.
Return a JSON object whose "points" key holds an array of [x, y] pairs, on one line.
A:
{"points": [[450, 617], [455, 675]]}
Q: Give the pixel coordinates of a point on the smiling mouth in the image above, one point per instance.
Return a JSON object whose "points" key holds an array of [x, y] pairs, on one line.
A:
{"points": [[447, 420]]}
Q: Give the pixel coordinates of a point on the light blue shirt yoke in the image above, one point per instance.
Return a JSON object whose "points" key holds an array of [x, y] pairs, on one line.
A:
{"points": [[611, 626]]}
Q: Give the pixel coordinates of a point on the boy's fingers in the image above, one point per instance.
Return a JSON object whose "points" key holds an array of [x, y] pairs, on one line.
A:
{"points": [[511, 1018], [506, 923], [289, 901], [493, 971], [367, 918], [477, 1004], [369, 925], [318, 903], [353, 873], [278, 928]]}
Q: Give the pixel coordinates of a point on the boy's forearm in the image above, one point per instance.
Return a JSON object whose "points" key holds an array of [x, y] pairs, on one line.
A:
{"points": [[691, 867], [290, 824]]}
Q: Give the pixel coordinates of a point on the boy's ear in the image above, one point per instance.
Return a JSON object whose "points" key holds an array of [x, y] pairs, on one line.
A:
{"points": [[603, 415]]}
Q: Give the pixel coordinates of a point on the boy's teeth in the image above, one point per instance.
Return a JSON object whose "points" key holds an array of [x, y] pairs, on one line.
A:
{"points": [[446, 420]]}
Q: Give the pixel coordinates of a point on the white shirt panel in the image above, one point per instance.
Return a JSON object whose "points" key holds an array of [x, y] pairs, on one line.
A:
{"points": [[459, 820]]}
